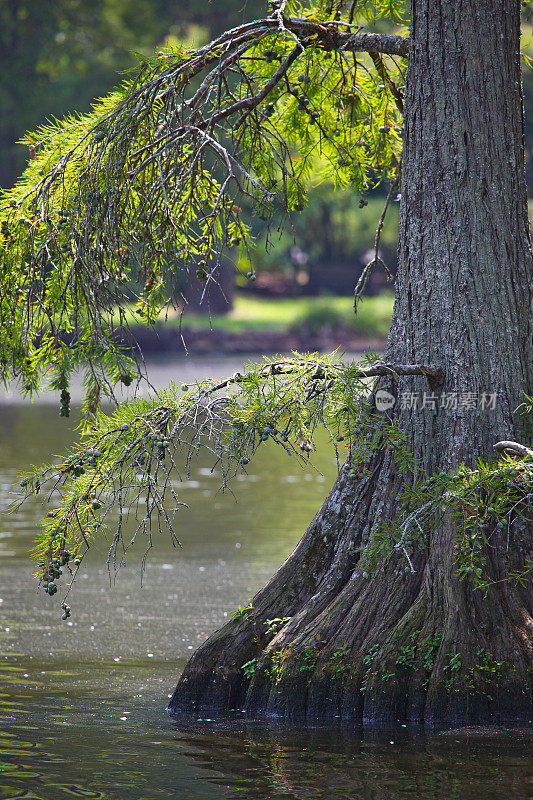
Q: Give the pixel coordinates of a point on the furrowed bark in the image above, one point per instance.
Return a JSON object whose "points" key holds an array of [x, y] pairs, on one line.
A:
{"points": [[464, 303]]}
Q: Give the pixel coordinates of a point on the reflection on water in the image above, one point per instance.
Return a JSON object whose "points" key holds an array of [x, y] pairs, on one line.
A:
{"points": [[62, 735], [82, 702]]}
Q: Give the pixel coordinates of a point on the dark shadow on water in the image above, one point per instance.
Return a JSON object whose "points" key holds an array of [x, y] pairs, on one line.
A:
{"points": [[59, 739], [271, 761]]}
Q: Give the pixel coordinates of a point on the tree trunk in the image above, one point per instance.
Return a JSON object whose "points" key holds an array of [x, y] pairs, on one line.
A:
{"points": [[418, 646]]}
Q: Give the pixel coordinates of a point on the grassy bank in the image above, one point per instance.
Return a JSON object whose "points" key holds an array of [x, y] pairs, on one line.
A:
{"points": [[310, 313]]}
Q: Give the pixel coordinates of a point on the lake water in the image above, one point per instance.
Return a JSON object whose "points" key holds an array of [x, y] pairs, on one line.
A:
{"points": [[83, 701]]}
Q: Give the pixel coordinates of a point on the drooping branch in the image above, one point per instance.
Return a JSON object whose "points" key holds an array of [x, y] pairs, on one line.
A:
{"points": [[151, 184], [135, 458]]}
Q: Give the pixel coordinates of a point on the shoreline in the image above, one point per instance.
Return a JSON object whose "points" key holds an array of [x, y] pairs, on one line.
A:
{"points": [[162, 340]]}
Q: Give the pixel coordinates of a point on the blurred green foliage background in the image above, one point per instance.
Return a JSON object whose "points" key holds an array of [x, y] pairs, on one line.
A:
{"points": [[58, 55]]}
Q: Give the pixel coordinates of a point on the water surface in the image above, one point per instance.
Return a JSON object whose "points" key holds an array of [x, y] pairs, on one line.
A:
{"points": [[83, 701]]}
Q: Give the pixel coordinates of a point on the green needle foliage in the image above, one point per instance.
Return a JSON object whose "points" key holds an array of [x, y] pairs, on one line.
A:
{"points": [[132, 461], [116, 204], [487, 505]]}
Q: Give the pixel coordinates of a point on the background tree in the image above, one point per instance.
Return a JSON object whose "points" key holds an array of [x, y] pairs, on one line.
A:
{"points": [[331, 240], [57, 56], [410, 594]]}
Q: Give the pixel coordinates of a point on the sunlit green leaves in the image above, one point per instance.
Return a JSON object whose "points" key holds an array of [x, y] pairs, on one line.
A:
{"points": [[115, 204]]}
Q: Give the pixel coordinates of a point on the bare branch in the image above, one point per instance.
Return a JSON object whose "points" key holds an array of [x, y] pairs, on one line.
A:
{"points": [[358, 42], [514, 447], [378, 370], [365, 274]]}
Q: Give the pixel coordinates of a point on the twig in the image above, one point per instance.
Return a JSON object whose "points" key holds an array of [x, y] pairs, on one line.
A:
{"points": [[365, 274], [514, 447]]}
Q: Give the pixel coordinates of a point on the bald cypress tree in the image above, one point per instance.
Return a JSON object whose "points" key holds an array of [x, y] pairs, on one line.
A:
{"points": [[410, 594]]}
